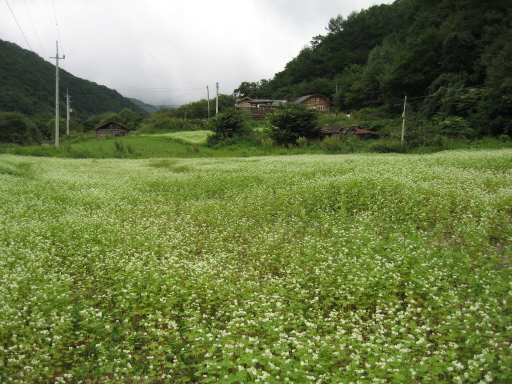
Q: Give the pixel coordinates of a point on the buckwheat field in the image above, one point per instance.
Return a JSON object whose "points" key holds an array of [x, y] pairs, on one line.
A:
{"points": [[299, 269]]}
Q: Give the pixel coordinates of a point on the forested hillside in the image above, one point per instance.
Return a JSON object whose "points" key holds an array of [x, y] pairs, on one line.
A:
{"points": [[452, 58], [27, 85], [147, 107]]}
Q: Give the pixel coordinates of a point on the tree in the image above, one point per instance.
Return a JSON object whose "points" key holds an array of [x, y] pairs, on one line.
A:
{"points": [[199, 109], [228, 125], [352, 89], [293, 121], [336, 24], [417, 65], [49, 129], [18, 129], [459, 52], [245, 89], [130, 118]]}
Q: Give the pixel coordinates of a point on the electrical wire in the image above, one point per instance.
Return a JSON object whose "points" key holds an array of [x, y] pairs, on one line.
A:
{"points": [[463, 88], [151, 89], [21, 30], [34, 28], [19, 26], [57, 27]]}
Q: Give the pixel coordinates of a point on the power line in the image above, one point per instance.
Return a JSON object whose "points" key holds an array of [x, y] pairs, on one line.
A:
{"points": [[463, 88], [155, 89], [21, 30], [34, 28], [57, 25], [19, 26]]}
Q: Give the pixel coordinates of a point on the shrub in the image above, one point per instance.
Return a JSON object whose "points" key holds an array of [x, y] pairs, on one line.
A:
{"points": [[293, 121], [332, 144], [16, 128], [455, 126], [387, 146], [229, 125], [162, 122], [122, 148]]}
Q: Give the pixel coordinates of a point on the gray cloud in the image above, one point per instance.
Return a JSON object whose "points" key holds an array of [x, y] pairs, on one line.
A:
{"points": [[167, 52]]}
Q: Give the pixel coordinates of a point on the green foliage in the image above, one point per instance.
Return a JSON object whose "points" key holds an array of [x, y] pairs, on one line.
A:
{"points": [[18, 129], [230, 124], [445, 50], [122, 148], [455, 126], [165, 120], [352, 89], [150, 109], [387, 146], [417, 65], [28, 86], [349, 144], [245, 89], [50, 128], [459, 52], [293, 121], [130, 118], [199, 109]]}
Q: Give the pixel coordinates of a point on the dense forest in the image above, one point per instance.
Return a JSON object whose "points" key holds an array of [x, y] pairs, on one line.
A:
{"points": [[27, 85], [451, 58]]}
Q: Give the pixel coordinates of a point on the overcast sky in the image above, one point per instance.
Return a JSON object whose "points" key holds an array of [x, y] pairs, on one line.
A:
{"points": [[165, 52]]}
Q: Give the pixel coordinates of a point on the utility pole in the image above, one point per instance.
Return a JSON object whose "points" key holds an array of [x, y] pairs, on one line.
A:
{"points": [[403, 121], [208, 95], [57, 58], [217, 102], [68, 110]]}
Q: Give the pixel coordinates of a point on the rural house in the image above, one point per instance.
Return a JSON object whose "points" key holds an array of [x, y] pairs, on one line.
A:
{"points": [[259, 108], [344, 130], [315, 101], [112, 129]]}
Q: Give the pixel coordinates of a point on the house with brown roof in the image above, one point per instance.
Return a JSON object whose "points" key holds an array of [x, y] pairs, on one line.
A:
{"points": [[259, 108], [315, 101], [111, 129]]}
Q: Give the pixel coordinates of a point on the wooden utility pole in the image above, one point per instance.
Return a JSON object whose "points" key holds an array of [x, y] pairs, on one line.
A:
{"points": [[217, 102], [57, 58], [403, 121], [68, 110], [208, 95]]}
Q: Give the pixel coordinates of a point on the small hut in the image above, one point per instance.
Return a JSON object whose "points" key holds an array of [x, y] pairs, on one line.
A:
{"points": [[111, 128], [344, 130]]}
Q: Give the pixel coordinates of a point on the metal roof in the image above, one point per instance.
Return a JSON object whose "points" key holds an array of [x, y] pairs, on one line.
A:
{"points": [[347, 130], [110, 123]]}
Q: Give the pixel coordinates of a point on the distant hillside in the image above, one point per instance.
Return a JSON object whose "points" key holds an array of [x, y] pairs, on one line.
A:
{"points": [[147, 107], [27, 85], [452, 58]]}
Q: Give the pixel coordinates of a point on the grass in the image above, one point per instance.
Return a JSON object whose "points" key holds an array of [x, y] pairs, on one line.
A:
{"points": [[376, 268], [192, 137], [192, 144]]}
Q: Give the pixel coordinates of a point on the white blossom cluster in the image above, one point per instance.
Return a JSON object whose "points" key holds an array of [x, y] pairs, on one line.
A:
{"points": [[310, 268]]}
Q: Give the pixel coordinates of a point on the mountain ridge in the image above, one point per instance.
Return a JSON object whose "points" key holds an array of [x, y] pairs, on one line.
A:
{"points": [[27, 85]]}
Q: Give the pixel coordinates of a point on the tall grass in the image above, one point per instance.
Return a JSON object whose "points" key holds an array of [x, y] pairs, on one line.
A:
{"points": [[193, 144], [160, 123]]}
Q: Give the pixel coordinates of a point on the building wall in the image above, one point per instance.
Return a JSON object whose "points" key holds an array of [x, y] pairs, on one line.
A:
{"points": [[318, 102], [243, 104], [102, 133]]}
